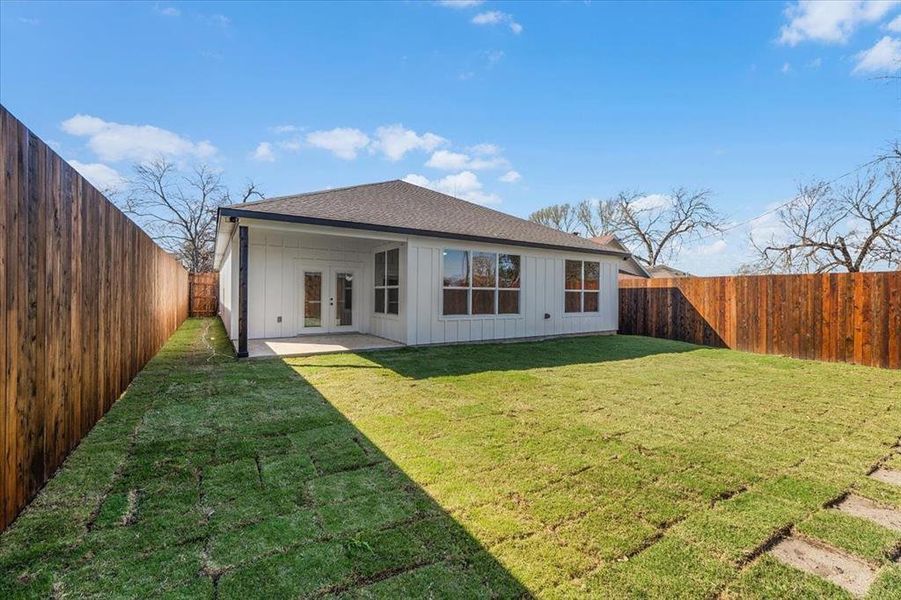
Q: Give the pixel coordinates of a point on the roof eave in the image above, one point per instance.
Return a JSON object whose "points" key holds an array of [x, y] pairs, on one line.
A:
{"points": [[269, 216]]}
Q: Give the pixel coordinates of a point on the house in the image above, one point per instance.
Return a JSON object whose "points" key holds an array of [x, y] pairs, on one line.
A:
{"points": [[408, 264], [659, 272]]}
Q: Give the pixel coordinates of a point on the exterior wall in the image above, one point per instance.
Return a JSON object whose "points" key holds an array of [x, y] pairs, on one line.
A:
{"points": [[542, 292], [278, 253], [392, 327], [277, 257], [228, 288], [273, 285]]}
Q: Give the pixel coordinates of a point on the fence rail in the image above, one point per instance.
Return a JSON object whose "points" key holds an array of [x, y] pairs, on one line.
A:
{"points": [[203, 294], [87, 299], [848, 317]]}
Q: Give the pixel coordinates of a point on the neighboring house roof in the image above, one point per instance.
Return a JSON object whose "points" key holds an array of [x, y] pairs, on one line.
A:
{"points": [[630, 266], [664, 271], [401, 207]]}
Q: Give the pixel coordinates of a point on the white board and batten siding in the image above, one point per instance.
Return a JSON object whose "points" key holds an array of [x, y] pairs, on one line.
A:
{"points": [[279, 254], [228, 287], [542, 281], [277, 259]]}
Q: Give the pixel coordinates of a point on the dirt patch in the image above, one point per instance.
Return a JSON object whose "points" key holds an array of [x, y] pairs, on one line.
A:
{"points": [[867, 509], [887, 476], [839, 568]]}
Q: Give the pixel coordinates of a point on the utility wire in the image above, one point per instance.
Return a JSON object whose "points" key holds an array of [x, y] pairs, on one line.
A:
{"points": [[784, 204]]}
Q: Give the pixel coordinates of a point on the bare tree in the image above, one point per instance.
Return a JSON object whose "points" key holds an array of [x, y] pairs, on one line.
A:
{"points": [[250, 191], [558, 216], [656, 230], [598, 217], [179, 211], [826, 228]]}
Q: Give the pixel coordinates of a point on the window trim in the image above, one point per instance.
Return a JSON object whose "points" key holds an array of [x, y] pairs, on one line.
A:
{"points": [[470, 288], [384, 288], [581, 312]]}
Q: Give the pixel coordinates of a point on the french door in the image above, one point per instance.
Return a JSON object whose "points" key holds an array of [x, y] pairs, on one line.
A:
{"points": [[328, 299]]}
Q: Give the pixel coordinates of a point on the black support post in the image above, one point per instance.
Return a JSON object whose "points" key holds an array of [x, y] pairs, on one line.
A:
{"points": [[242, 291]]}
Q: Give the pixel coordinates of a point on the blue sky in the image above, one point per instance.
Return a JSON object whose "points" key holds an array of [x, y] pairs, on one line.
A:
{"points": [[517, 105]]}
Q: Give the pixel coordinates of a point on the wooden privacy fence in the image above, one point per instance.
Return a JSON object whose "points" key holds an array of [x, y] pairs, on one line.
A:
{"points": [[203, 294], [849, 317], [87, 299]]}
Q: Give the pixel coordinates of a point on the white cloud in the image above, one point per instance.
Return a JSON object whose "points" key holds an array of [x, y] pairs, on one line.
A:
{"points": [[455, 161], [292, 144], [167, 11], [343, 142], [786, 68], [263, 153], [884, 57], [492, 17], [894, 25], [220, 20], [712, 249], [652, 202], [830, 22], [815, 63], [116, 141], [394, 141], [460, 3], [101, 176], [29, 21], [485, 149], [494, 56], [448, 161], [510, 177], [496, 17], [465, 185], [286, 128]]}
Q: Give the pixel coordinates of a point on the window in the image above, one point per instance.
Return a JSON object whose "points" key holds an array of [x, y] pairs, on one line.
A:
{"points": [[480, 283], [387, 282], [582, 286]]}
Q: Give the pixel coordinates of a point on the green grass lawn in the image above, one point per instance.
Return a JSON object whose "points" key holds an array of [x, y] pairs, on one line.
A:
{"points": [[609, 466]]}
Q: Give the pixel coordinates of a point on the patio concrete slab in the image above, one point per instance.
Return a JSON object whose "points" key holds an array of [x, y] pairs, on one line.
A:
{"points": [[305, 345]]}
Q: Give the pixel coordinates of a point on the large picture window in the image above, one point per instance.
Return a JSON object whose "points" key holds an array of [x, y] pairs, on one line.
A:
{"points": [[387, 282], [480, 283], [582, 286]]}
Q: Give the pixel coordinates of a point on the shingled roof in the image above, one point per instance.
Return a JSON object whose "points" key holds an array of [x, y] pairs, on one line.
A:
{"points": [[400, 207]]}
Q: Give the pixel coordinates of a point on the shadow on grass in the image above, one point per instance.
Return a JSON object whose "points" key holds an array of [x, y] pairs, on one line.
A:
{"points": [[213, 477], [360, 524], [466, 359]]}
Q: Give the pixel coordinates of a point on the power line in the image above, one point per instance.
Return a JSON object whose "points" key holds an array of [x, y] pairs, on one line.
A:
{"points": [[784, 204]]}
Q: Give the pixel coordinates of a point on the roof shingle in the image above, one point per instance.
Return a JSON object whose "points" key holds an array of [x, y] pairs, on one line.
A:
{"points": [[400, 206]]}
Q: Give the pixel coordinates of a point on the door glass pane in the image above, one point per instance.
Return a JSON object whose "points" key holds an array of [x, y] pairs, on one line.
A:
{"points": [[573, 275], [456, 269], [573, 302], [591, 302], [508, 302], [455, 302], [380, 268], [592, 276], [312, 299], [482, 301], [343, 299], [508, 265], [484, 270], [393, 304], [393, 267]]}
